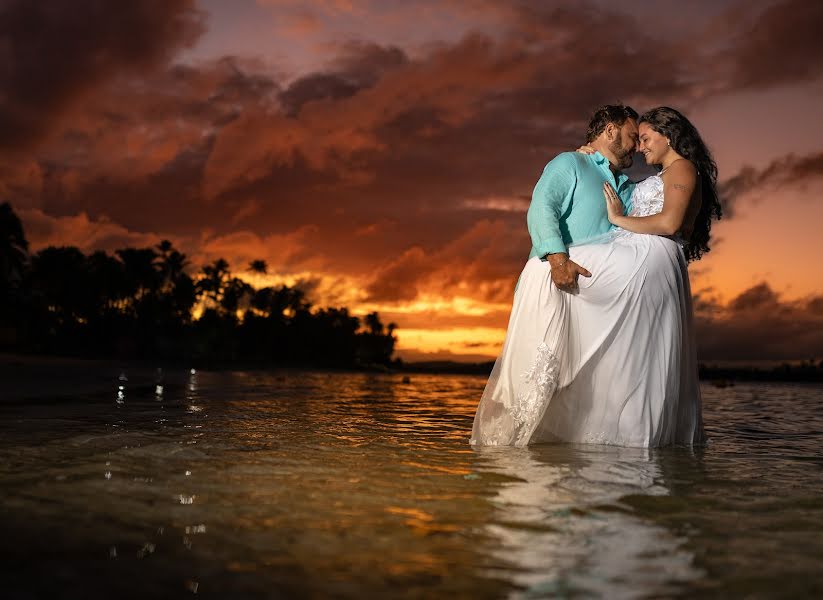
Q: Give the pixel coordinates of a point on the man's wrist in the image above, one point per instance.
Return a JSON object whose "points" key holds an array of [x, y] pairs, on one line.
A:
{"points": [[557, 259]]}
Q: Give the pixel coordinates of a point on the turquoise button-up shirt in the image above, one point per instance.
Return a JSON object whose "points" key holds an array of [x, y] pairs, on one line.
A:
{"points": [[568, 206]]}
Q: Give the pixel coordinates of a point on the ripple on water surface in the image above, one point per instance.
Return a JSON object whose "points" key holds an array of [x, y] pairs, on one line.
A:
{"points": [[310, 483]]}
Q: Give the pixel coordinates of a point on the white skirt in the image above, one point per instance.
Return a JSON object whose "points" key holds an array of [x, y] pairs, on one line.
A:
{"points": [[613, 363]]}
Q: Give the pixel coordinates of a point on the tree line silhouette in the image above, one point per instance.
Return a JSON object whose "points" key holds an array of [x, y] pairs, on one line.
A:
{"points": [[138, 304]]}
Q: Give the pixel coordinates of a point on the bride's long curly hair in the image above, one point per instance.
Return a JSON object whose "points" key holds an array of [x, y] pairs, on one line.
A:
{"points": [[687, 143]]}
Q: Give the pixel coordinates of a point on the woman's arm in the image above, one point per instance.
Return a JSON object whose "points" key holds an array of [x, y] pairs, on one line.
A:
{"points": [[678, 186]]}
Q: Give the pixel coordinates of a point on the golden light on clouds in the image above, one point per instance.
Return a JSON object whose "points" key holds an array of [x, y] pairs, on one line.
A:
{"points": [[387, 168], [458, 340], [426, 303]]}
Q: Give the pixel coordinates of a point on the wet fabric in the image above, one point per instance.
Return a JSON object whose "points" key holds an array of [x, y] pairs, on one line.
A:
{"points": [[614, 362]]}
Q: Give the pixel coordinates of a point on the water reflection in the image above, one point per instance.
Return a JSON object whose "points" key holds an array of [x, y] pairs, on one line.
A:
{"points": [[354, 485], [561, 526]]}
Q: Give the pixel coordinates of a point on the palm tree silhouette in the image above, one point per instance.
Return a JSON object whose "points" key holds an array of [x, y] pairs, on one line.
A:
{"points": [[171, 264], [237, 295], [14, 249], [142, 278], [259, 269], [177, 289], [259, 266], [213, 281], [137, 303]]}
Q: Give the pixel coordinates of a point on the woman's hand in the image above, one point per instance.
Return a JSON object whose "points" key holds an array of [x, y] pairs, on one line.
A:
{"points": [[614, 206], [585, 149]]}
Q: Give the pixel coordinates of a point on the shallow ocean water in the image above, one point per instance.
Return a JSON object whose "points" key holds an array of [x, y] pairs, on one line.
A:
{"points": [[312, 484]]}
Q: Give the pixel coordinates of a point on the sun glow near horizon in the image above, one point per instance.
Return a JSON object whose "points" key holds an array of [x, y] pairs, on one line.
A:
{"points": [[473, 341], [387, 169]]}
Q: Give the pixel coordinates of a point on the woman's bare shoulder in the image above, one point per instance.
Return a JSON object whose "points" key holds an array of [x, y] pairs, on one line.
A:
{"points": [[681, 168]]}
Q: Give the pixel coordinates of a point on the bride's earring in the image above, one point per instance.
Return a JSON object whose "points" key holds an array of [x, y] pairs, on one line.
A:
{"points": [[668, 143]]}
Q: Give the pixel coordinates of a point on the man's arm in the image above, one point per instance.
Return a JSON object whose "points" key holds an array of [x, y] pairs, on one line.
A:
{"points": [[553, 189], [550, 195]]}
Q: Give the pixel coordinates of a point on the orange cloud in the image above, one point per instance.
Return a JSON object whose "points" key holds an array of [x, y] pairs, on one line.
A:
{"points": [[393, 176], [86, 234]]}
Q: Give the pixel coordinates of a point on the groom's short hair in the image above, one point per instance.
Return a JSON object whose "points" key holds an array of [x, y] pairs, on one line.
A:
{"points": [[609, 113]]}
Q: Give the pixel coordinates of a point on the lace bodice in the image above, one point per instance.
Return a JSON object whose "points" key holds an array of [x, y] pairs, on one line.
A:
{"points": [[647, 198]]}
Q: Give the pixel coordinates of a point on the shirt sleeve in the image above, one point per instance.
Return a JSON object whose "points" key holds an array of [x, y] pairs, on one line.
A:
{"points": [[550, 195]]}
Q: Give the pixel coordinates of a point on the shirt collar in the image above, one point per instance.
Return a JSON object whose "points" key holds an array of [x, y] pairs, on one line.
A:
{"points": [[599, 158], [603, 163]]}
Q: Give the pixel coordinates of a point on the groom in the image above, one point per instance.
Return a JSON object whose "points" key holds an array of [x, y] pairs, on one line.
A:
{"points": [[567, 203]]}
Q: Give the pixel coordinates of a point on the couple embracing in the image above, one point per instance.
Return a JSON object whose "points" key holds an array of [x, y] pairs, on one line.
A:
{"points": [[600, 344]]}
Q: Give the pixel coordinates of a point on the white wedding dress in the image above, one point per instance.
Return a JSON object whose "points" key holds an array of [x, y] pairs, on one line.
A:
{"points": [[613, 363]]}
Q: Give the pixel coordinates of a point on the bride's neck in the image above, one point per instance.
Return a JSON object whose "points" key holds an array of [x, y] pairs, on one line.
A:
{"points": [[668, 159]]}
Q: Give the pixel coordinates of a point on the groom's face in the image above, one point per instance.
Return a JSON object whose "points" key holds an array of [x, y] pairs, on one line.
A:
{"points": [[625, 144]]}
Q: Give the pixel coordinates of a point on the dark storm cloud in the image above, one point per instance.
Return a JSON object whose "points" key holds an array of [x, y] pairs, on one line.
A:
{"points": [[788, 169], [360, 65], [406, 172], [758, 297], [782, 44], [426, 142], [52, 51], [758, 325], [136, 150], [375, 137]]}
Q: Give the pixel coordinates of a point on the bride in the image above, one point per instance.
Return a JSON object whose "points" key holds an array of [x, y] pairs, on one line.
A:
{"points": [[614, 362]]}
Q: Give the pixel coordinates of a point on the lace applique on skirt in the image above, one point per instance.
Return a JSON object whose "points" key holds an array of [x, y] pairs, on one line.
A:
{"points": [[541, 382]]}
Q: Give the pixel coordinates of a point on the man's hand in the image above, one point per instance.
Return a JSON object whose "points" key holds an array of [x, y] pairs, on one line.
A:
{"points": [[565, 271]]}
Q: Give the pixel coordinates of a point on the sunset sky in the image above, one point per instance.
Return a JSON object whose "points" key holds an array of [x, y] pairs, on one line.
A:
{"points": [[381, 154]]}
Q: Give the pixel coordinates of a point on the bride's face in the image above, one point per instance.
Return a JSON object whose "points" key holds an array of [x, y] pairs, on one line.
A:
{"points": [[653, 146]]}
